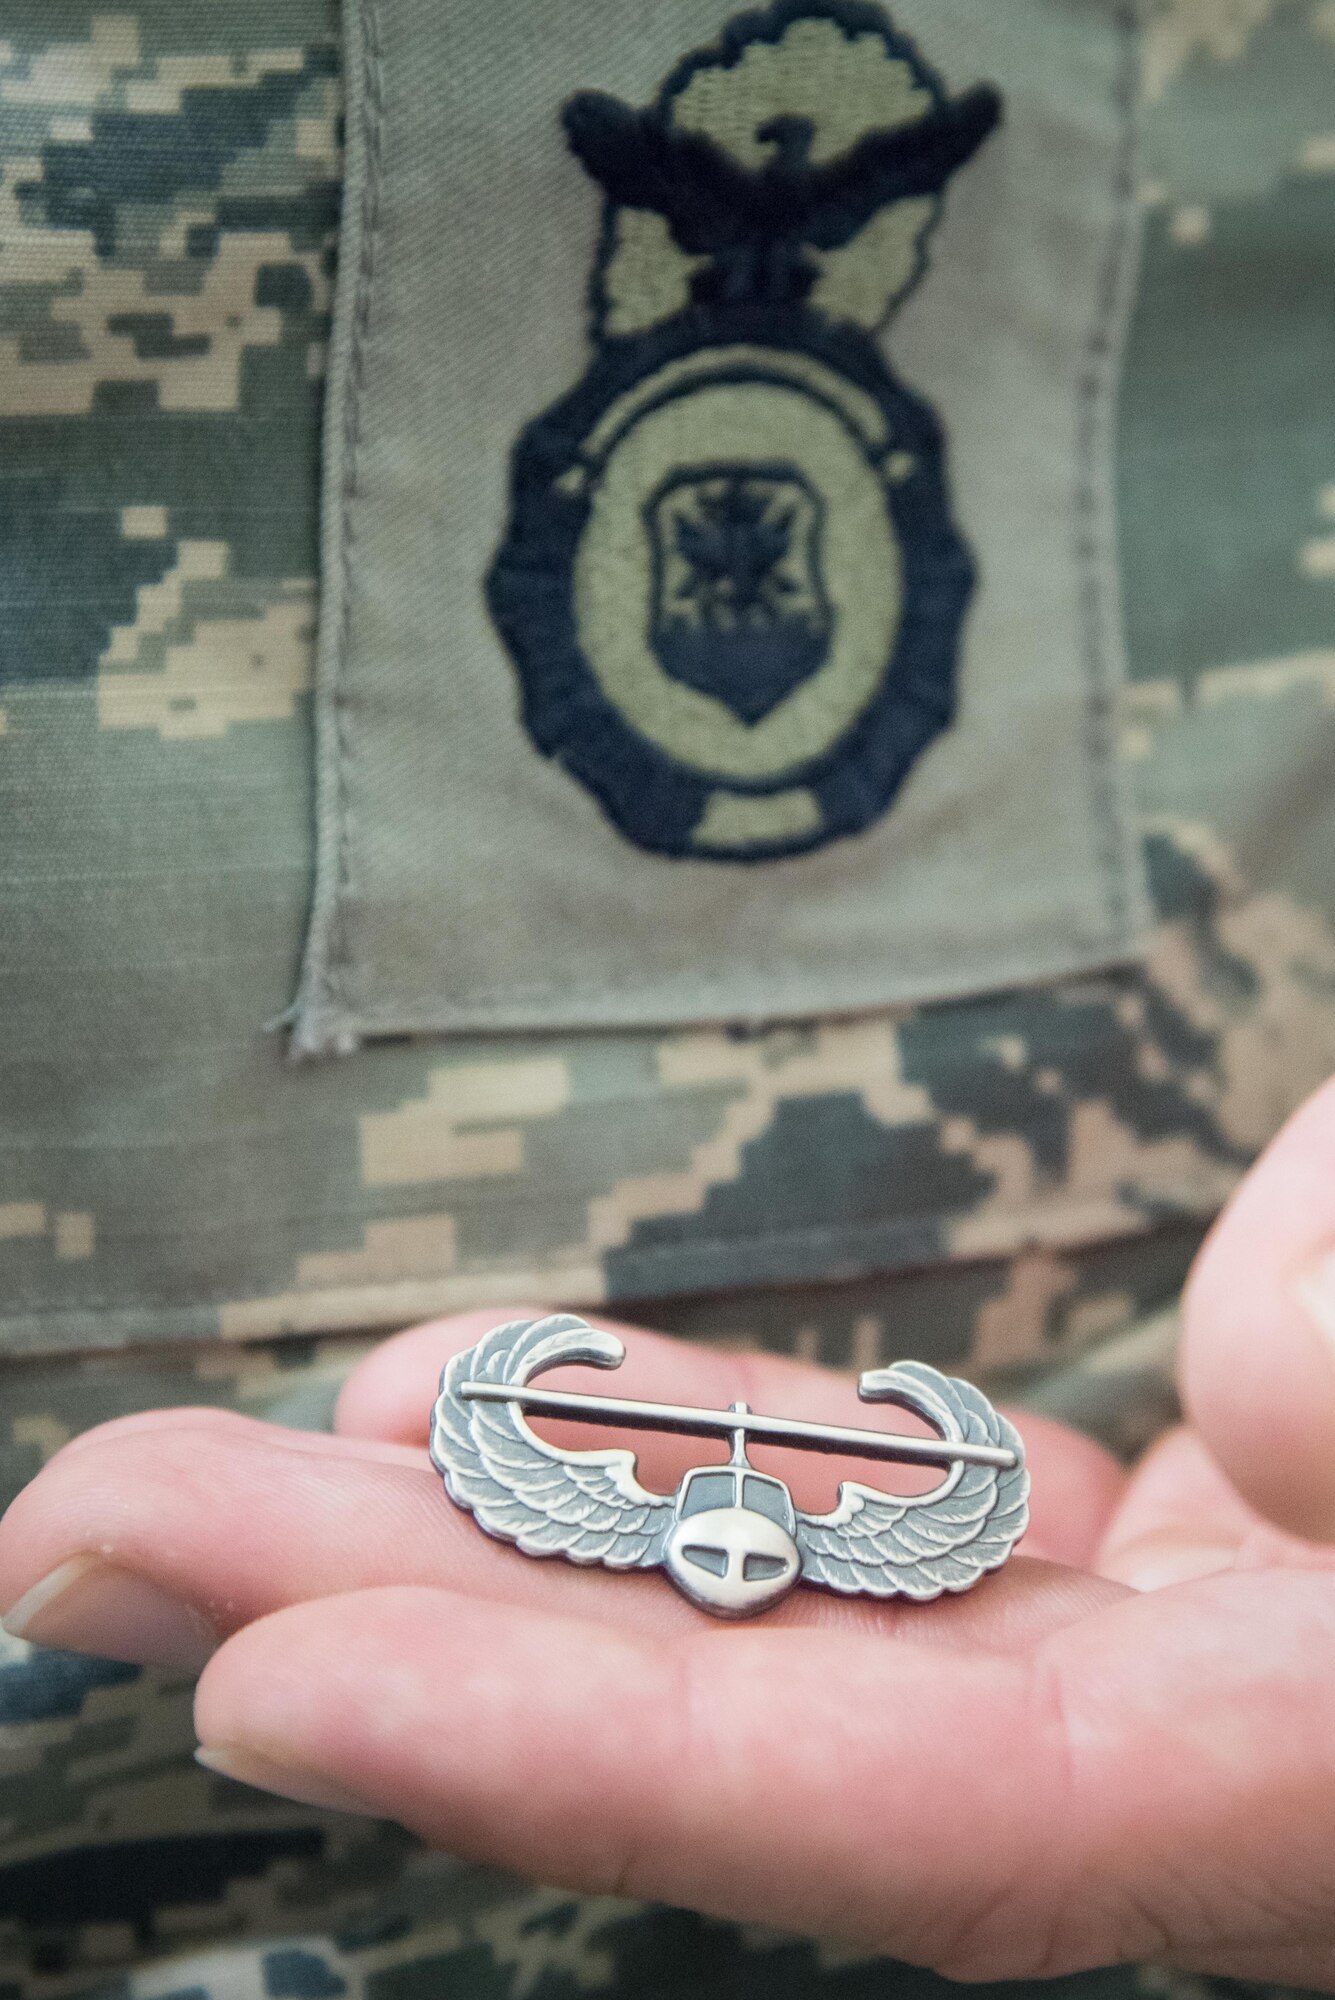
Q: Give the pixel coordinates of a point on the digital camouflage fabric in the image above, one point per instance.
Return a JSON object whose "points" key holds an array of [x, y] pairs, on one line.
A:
{"points": [[1011, 1184], [169, 1175]]}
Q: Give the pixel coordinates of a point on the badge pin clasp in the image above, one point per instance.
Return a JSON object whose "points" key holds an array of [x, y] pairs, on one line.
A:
{"points": [[731, 1538]]}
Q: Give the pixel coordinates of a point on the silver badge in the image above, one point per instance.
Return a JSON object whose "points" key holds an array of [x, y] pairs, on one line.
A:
{"points": [[730, 1537]]}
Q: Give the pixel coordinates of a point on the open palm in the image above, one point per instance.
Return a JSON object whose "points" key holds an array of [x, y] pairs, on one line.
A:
{"points": [[1122, 1746]]}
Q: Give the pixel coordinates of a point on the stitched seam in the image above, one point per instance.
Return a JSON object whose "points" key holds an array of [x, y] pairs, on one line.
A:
{"points": [[1094, 511], [329, 954], [424, 1013], [372, 102]]}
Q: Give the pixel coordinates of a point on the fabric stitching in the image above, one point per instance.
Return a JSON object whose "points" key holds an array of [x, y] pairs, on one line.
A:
{"points": [[330, 1024], [371, 126], [329, 954], [1095, 515], [565, 711], [753, 231], [398, 1015]]}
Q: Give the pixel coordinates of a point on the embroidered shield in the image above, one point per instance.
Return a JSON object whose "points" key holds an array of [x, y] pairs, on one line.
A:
{"points": [[730, 582], [739, 610]]}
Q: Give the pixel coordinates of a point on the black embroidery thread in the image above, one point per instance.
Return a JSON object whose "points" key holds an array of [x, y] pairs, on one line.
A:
{"points": [[735, 533], [742, 651], [755, 225]]}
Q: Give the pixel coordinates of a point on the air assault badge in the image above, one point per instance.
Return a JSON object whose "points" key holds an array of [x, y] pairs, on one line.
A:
{"points": [[730, 582], [730, 1538]]}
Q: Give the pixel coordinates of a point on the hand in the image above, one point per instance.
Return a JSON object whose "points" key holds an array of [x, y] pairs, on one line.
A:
{"points": [[1056, 1771]]}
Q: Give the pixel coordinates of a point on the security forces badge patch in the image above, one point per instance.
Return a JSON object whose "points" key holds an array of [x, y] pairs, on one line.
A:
{"points": [[730, 581]]}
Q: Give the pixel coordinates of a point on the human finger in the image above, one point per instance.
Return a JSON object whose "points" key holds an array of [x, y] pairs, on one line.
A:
{"points": [[1132, 1787], [227, 1519], [1258, 1352], [1181, 1518], [723, 1770], [1075, 1483]]}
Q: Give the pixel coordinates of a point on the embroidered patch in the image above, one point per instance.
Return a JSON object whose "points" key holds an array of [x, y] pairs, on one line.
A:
{"points": [[724, 548], [730, 581]]}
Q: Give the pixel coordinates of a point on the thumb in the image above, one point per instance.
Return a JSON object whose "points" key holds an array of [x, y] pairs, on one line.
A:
{"points": [[1257, 1366]]}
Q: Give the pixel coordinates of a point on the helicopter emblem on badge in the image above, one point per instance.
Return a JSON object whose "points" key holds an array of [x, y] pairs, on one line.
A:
{"points": [[730, 582], [731, 1538]]}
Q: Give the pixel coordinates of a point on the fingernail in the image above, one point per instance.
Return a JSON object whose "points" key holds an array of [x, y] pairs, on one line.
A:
{"points": [[285, 1781], [91, 1606], [1156, 1561]]}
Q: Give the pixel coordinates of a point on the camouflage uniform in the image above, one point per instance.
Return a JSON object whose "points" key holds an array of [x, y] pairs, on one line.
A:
{"points": [[1012, 1183]]}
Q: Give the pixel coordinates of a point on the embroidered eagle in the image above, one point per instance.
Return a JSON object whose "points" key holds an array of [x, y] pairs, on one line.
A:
{"points": [[756, 225]]}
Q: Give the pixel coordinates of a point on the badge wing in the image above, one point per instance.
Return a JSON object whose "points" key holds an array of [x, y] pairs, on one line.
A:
{"points": [[886, 1545], [588, 1505]]}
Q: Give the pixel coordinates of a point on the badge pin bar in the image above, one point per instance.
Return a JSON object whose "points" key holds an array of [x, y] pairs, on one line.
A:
{"points": [[730, 1538], [685, 1420]]}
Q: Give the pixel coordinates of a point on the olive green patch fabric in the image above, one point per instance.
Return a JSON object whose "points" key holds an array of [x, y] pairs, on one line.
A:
{"points": [[721, 616]]}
